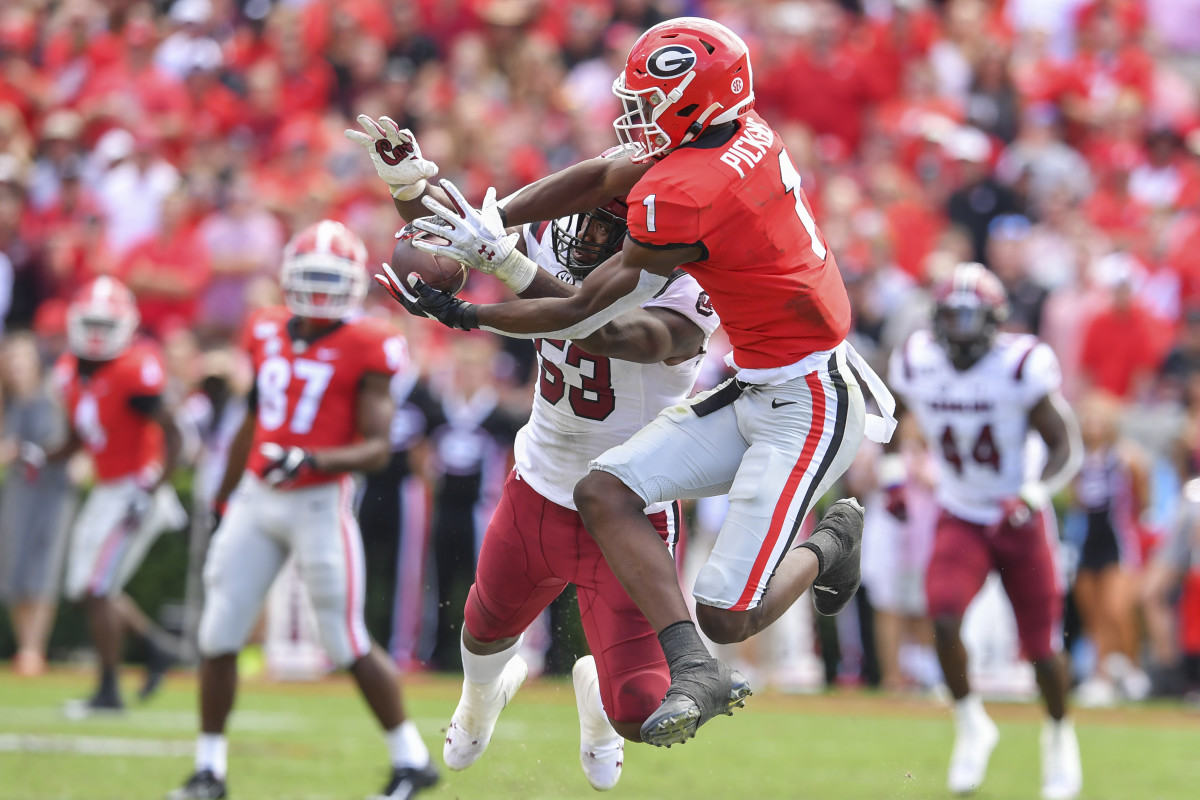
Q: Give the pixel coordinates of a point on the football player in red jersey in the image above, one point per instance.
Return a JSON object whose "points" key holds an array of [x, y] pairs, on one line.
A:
{"points": [[592, 394], [112, 392], [721, 199], [320, 409]]}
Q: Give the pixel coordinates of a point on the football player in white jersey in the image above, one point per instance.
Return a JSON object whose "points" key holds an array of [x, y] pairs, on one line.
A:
{"points": [[977, 395], [592, 395]]}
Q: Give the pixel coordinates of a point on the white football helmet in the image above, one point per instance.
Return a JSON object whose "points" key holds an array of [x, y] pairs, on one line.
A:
{"points": [[324, 273], [101, 320]]}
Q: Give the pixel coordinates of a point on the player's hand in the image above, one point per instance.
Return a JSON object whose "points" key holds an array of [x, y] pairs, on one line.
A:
{"points": [[32, 458], [215, 515], [138, 509], [284, 464], [478, 238], [1017, 513], [396, 156], [421, 301]]}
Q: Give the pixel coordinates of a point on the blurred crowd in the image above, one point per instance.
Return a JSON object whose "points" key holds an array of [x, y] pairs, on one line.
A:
{"points": [[178, 143]]}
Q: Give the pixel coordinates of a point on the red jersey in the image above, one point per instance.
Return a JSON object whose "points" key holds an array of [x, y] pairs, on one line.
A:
{"points": [[766, 268], [102, 408], [307, 392]]}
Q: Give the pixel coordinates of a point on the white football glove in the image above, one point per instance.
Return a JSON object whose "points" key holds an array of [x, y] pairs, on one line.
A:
{"points": [[396, 156], [286, 463], [478, 238]]}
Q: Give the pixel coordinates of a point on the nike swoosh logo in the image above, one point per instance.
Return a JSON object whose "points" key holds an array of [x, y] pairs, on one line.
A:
{"points": [[779, 403], [825, 589]]}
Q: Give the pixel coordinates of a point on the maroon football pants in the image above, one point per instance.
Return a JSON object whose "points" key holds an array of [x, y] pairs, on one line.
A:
{"points": [[532, 549], [963, 555]]}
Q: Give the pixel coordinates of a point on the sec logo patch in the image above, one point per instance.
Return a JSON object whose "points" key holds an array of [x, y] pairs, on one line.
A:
{"points": [[670, 61]]}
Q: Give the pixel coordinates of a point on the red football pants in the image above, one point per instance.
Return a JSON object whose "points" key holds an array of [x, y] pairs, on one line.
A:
{"points": [[963, 555], [532, 549]]}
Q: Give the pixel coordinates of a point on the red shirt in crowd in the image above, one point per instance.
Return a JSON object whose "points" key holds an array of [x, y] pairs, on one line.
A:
{"points": [[1121, 346], [166, 274]]}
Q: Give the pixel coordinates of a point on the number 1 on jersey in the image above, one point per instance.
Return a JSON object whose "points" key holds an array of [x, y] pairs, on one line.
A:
{"points": [[791, 183], [649, 204]]}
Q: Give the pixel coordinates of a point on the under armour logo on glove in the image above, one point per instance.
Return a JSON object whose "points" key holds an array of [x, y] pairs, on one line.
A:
{"points": [[488, 254]]}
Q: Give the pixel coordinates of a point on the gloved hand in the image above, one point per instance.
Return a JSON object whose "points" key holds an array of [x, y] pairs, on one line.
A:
{"points": [[478, 238], [285, 464], [395, 155], [893, 477], [215, 515], [32, 458], [421, 301]]}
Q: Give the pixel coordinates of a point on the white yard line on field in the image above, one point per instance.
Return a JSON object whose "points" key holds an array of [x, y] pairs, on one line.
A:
{"points": [[94, 746]]}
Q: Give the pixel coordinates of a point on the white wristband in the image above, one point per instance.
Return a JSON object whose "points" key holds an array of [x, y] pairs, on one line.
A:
{"points": [[517, 271], [892, 470], [410, 192]]}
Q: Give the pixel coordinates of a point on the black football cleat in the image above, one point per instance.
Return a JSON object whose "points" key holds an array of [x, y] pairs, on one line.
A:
{"points": [[838, 581], [696, 695], [203, 785], [407, 781], [99, 704], [157, 663]]}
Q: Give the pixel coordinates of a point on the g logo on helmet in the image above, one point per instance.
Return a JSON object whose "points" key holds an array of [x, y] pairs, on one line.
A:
{"points": [[670, 61]]}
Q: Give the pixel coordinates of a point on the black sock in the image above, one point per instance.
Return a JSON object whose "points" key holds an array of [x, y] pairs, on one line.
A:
{"points": [[682, 645], [108, 680]]}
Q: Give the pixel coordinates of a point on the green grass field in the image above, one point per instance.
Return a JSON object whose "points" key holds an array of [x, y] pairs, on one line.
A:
{"points": [[317, 741]]}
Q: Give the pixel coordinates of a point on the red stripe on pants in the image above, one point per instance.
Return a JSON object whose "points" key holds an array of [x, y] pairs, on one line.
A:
{"points": [[816, 428]]}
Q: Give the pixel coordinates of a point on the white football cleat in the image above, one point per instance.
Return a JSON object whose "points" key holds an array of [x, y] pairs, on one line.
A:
{"points": [[1062, 773], [975, 736], [601, 748], [474, 719]]}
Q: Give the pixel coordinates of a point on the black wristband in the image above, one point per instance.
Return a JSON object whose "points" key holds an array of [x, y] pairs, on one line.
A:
{"points": [[469, 318]]}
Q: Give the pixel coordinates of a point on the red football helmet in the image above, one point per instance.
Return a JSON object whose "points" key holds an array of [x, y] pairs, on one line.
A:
{"points": [[324, 272], [101, 320], [681, 77], [969, 305]]}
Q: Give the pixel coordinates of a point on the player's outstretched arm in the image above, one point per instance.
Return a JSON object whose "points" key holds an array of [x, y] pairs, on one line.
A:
{"points": [[371, 452], [1054, 421], [172, 439], [619, 285], [574, 190]]}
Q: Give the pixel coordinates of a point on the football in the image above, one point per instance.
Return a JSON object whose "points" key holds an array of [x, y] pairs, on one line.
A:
{"points": [[439, 272]]}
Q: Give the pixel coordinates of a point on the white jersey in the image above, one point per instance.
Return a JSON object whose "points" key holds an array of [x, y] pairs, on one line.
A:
{"points": [[976, 420], [585, 404]]}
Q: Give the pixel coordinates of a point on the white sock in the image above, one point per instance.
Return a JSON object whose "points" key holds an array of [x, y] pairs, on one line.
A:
{"points": [[212, 753], [594, 724], [969, 709], [406, 747], [486, 669]]}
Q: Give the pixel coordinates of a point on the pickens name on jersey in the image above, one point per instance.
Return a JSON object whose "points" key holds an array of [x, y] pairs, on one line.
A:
{"points": [[585, 404], [976, 421]]}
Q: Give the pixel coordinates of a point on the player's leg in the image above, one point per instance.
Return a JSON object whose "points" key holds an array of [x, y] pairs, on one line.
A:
{"points": [[625, 678], [957, 569], [1025, 559], [803, 436], [100, 532], [689, 450], [242, 562], [329, 553], [516, 577]]}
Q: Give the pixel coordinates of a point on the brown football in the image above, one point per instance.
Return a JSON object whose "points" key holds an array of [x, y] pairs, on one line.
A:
{"points": [[439, 272]]}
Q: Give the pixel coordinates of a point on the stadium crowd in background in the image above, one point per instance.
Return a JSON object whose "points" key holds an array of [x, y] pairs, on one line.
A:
{"points": [[178, 144]]}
